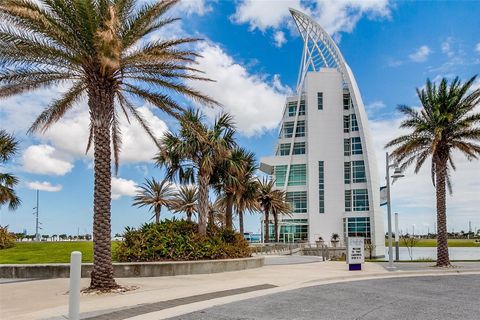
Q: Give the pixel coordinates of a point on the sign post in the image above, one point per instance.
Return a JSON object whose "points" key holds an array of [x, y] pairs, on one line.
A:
{"points": [[355, 253]]}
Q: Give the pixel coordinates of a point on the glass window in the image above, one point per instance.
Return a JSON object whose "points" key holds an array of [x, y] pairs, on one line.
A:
{"points": [[298, 201], [280, 173], [288, 129], [300, 129], [346, 147], [321, 187], [346, 101], [320, 100], [356, 145], [346, 124], [297, 175], [283, 149], [348, 200], [358, 227], [353, 120], [346, 172], [360, 200], [358, 171], [299, 148], [292, 108]]}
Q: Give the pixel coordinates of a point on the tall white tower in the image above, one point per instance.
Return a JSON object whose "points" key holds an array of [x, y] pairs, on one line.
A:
{"points": [[324, 157]]}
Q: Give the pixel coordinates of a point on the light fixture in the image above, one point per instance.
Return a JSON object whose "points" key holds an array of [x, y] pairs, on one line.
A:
{"points": [[397, 173]]}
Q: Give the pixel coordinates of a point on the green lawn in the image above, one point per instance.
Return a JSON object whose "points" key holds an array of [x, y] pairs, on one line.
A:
{"points": [[451, 243], [47, 252]]}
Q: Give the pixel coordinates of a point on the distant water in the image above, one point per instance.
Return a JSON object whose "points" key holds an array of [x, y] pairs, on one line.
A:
{"points": [[457, 253]]}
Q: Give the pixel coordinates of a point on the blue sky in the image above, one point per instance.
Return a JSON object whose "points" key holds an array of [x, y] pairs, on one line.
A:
{"points": [[253, 51]]}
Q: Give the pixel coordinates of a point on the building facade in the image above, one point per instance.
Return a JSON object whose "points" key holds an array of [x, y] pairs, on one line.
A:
{"points": [[324, 157]]}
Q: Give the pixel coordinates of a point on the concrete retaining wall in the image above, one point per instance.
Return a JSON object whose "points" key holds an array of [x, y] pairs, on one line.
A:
{"points": [[134, 269]]}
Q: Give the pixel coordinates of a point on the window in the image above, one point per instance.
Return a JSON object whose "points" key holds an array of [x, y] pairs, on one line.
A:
{"points": [[356, 145], [346, 101], [360, 200], [297, 175], [280, 173], [288, 129], [348, 200], [358, 171], [298, 201], [283, 149], [346, 172], [320, 100], [346, 124], [292, 108], [321, 187], [300, 132], [299, 148], [353, 120], [358, 227], [346, 147]]}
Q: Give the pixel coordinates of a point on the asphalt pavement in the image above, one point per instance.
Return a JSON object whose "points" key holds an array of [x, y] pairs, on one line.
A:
{"points": [[422, 298]]}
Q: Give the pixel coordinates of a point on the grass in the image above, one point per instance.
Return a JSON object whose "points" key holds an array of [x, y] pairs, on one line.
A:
{"points": [[47, 252], [433, 243]]}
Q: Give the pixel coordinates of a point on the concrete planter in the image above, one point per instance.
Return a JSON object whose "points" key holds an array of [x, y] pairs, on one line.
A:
{"points": [[133, 269]]}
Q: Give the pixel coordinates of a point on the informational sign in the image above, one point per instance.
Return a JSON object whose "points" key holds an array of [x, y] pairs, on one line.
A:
{"points": [[355, 251]]}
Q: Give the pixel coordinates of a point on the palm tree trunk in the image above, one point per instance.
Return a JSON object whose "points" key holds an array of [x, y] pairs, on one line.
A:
{"points": [[443, 259], [240, 221], [101, 111], [189, 216], [157, 214], [267, 227], [228, 211], [275, 222], [203, 203]]}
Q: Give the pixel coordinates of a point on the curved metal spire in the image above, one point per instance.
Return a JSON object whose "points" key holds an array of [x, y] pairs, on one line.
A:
{"points": [[320, 51]]}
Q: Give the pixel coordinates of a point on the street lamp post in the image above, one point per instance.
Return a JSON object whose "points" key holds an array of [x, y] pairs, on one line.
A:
{"points": [[397, 174]]}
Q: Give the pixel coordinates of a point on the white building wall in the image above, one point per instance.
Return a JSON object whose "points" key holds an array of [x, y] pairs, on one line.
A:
{"points": [[325, 143]]}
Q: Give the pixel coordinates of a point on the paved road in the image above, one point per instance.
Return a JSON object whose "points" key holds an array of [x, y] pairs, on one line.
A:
{"points": [[425, 298]]}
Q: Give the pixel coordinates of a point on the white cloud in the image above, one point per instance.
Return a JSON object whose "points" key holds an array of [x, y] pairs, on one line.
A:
{"points": [[71, 135], [333, 15], [198, 7], [375, 106], [255, 103], [447, 47], [123, 187], [45, 159], [279, 38], [44, 186], [421, 54], [477, 47]]}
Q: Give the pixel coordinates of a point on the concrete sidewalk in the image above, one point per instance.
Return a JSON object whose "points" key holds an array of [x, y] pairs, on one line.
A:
{"points": [[44, 299]]}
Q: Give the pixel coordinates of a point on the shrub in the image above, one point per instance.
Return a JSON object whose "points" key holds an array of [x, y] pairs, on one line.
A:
{"points": [[7, 239], [173, 240]]}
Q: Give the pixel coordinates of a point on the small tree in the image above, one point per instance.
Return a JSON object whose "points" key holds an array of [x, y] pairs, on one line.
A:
{"points": [[409, 242]]}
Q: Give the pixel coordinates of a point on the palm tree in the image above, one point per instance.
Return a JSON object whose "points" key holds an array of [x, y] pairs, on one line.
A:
{"points": [[8, 148], [104, 51], [271, 201], [246, 200], [193, 154], [445, 123], [230, 175], [185, 201], [155, 195], [280, 206], [216, 213]]}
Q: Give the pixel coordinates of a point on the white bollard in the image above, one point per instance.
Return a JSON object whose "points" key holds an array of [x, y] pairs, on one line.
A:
{"points": [[74, 293]]}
